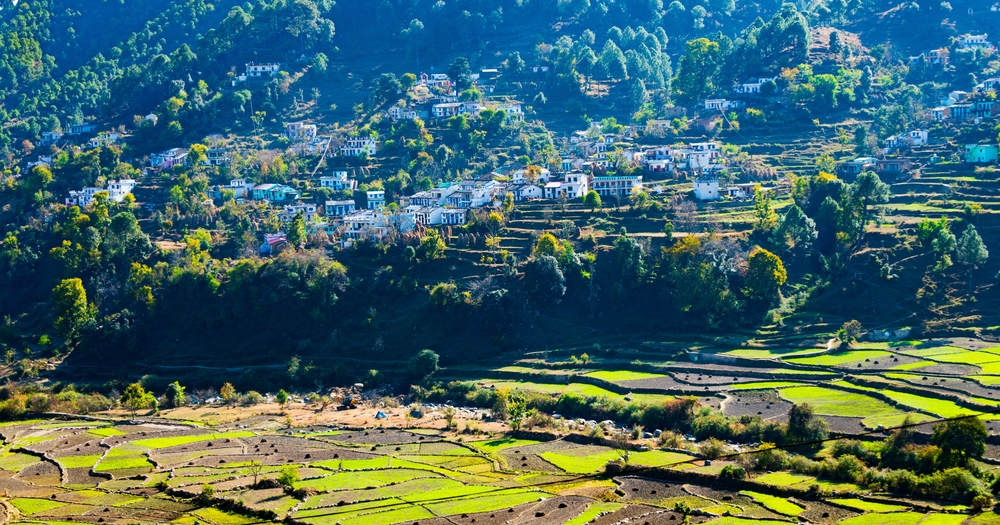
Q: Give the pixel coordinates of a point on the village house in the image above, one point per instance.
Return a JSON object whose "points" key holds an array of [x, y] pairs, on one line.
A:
{"points": [[523, 192], [308, 211], [43, 160], [706, 189], [849, 170], [275, 193], [941, 113], [216, 157], [273, 244], [115, 189], [975, 41], [80, 129], [912, 139], [371, 224], [165, 160], [990, 84], [980, 153], [934, 57], [435, 80], [298, 131], [722, 104], [573, 186], [338, 181], [355, 147], [397, 113], [376, 199], [338, 208], [544, 175], [702, 154], [262, 70], [50, 137], [103, 139], [617, 185], [752, 86], [893, 166], [241, 188]]}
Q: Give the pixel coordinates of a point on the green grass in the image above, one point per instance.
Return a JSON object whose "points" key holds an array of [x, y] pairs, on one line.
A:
{"points": [[496, 445], [105, 432], [986, 380], [933, 352], [79, 461], [594, 462], [35, 505], [353, 480], [16, 462], [407, 514], [906, 518], [831, 402], [543, 388], [218, 517], [768, 353], [128, 462], [840, 358], [967, 357], [500, 500], [157, 443], [914, 366], [776, 504], [594, 510], [867, 506], [615, 376], [764, 385], [938, 407], [894, 420]]}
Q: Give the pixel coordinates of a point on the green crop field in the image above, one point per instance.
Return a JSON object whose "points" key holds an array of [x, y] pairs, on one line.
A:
{"points": [[776, 504], [615, 376], [769, 353], [594, 462], [34, 506], [166, 442], [867, 506], [106, 432], [828, 401], [496, 445], [594, 510]]}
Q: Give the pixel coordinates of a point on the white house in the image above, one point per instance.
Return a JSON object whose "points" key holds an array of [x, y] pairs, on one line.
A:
{"points": [[370, 224], [339, 208], [116, 190], [356, 146], [574, 186], [397, 113], [103, 139], [262, 70], [722, 104], [376, 199], [544, 175], [976, 41], [241, 188], [617, 185], [50, 137], [706, 189], [523, 192], [752, 86], [308, 211], [300, 131], [448, 109], [338, 181], [702, 154], [912, 139]]}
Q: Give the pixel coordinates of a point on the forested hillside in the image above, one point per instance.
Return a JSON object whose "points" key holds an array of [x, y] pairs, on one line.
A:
{"points": [[172, 272]]}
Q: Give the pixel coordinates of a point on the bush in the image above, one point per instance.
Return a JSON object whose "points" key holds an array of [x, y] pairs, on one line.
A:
{"points": [[714, 448], [733, 472]]}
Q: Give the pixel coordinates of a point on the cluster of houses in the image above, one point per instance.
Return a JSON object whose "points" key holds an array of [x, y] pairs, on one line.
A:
{"points": [[116, 191], [940, 57], [447, 104]]}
